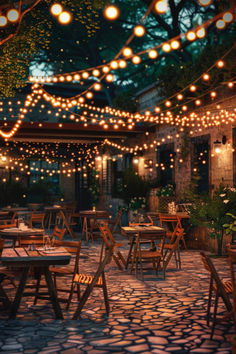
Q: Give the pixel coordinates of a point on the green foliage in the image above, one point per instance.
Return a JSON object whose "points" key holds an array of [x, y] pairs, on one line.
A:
{"points": [[45, 192], [134, 185], [137, 203], [12, 193], [125, 101], [94, 189], [211, 212], [230, 227], [167, 191]]}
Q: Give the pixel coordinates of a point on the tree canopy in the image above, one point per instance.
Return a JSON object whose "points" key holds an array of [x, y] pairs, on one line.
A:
{"points": [[90, 40]]}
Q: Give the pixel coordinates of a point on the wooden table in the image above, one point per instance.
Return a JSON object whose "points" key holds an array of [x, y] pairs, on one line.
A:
{"points": [[55, 211], [15, 233], [23, 258], [90, 221], [155, 233]]}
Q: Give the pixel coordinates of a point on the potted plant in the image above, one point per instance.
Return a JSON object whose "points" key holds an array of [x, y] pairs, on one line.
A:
{"points": [[211, 212], [166, 195], [230, 227]]}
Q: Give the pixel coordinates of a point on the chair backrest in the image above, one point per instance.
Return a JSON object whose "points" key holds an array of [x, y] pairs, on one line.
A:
{"points": [[107, 235], [209, 266], [232, 262], [59, 233], [37, 218], [72, 247], [171, 223], [117, 220], [37, 240]]}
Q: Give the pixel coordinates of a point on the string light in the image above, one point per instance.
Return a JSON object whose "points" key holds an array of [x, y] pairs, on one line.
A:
{"points": [[111, 12]]}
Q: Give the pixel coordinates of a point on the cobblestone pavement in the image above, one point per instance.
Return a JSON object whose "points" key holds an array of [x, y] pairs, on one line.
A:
{"points": [[149, 316]]}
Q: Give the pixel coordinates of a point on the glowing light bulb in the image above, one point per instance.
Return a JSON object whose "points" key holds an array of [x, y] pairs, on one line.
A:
{"points": [[175, 44], [192, 88], [114, 64], [109, 78], [191, 36], [205, 77], [205, 2], [56, 9], [3, 21], [127, 52], [161, 6], [201, 32], [166, 47], [152, 54], [12, 15], [139, 31], [228, 17], [220, 63], [220, 24], [122, 64], [97, 86], [111, 12], [96, 72], [136, 59], [65, 18], [105, 69], [180, 96]]}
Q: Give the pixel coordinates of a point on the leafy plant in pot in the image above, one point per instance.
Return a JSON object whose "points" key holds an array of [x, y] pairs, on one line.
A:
{"points": [[211, 212], [230, 227]]}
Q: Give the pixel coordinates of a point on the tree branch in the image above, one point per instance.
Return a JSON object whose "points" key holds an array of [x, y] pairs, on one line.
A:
{"points": [[20, 19]]}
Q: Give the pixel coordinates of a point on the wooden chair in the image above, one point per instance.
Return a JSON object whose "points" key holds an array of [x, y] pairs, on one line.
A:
{"points": [[221, 288], [232, 262], [72, 247], [37, 240], [37, 218], [110, 241], [114, 224], [8, 222], [171, 223], [142, 255], [172, 248], [58, 233], [90, 281]]}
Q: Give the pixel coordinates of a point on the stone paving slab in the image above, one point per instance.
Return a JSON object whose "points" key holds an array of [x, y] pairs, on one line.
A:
{"points": [[147, 316]]}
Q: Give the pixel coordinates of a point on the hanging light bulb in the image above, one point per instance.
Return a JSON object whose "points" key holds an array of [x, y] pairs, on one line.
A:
{"points": [[201, 32], [12, 15], [191, 36], [3, 21], [205, 2], [152, 54], [161, 6], [56, 9], [175, 44], [65, 18], [228, 17], [166, 47], [111, 12], [136, 59], [220, 24], [139, 31], [127, 52]]}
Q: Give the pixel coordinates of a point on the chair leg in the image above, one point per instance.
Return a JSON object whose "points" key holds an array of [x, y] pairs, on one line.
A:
{"points": [[37, 289], [214, 315], [209, 301], [117, 262], [105, 293], [121, 258]]}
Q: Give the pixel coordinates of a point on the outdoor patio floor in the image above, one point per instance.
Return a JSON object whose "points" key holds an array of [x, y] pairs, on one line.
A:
{"points": [[150, 316]]}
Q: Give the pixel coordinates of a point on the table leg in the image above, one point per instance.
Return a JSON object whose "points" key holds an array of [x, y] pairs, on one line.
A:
{"points": [[16, 303], [130, 251], [52, 293]]}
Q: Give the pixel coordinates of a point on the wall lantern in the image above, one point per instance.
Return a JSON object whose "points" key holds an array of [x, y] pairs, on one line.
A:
{"points": [[218, 144]]}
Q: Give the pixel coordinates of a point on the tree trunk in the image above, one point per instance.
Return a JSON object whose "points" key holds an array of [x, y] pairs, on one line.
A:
{"points": [[220, 236]]}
